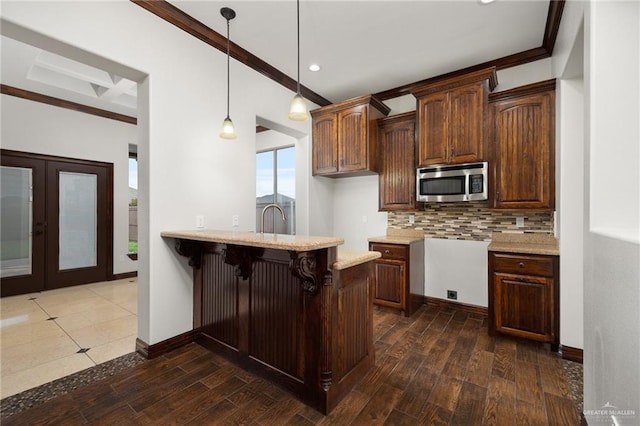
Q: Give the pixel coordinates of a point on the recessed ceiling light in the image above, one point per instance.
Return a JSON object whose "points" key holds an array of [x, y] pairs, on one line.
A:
{"points": [[314, 67], [485, 1]]}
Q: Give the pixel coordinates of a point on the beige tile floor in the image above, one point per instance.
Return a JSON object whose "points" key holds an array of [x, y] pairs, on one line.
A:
{"points": [[35, 349]]}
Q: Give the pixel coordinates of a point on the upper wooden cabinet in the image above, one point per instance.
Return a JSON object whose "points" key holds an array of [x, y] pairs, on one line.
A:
{"points": [[522, 142], [345, 137], [397, 181], [451, 118]]}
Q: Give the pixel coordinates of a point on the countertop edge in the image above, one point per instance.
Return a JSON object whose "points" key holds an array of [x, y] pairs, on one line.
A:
{"points": [[242, 239], [349, 258], [524, 249], [386, 239]]}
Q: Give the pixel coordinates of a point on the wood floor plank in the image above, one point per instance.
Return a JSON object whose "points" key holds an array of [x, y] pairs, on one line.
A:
{"points": [[403, 345], [528, 414], [445, 393], [347, 409], [527, 351], [379, 406], [485, 342], [298, 420], [146, 399], [397, 418], [393, 335], [504, 360], [500, 405], [470, 408], [377, 375], [425, 342], [561, 411], [434, 415], [280, 412], [216, 414], [440, 321], [246, 414], [417, 391], [480, 367], [528, 383], [404, 371], [439, 353], [456, 365], [554, 381], [189, 403]]}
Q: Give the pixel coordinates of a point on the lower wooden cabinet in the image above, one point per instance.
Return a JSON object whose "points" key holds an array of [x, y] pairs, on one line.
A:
{"points": [[524, 296], [399, 276]]}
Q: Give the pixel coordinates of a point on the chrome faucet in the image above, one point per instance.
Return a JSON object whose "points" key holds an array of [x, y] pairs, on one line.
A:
{"points": [[275, 206]]}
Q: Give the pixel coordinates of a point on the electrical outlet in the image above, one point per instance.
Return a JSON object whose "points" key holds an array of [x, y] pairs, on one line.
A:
{"points": [[364, 219], [520, 221], [412, 218], [199, 221], [235, 220], [452, 294]]}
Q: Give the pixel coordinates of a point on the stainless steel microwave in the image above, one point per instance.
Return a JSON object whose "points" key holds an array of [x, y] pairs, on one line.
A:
{"points": [[450, 183]]}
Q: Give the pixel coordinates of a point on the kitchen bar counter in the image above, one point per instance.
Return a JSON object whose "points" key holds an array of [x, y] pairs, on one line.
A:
{"points": [[256, 239], [544, 244], [293, 309]]}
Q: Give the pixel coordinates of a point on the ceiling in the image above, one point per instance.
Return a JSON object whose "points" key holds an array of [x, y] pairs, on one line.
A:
{"points": [[361, 46]]}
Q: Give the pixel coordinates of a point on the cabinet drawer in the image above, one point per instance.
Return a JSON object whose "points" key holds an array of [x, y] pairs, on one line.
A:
{"points": [[528, 265], [390, 251]]}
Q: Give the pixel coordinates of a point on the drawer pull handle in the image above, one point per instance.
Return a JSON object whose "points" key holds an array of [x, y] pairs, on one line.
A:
{"points": [[387, 252], [521, 265]]}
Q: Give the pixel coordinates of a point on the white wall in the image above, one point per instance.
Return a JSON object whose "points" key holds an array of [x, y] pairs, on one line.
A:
{"points": [[185, 169], [355, 211], [612, 218], [44, 129], [457, 265]]}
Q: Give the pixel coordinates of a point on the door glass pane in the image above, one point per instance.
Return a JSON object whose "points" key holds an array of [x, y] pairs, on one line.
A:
{"points": [[17, 213], [78, 220]]}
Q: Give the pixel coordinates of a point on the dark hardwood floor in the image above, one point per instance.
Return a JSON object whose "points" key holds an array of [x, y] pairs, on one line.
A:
{"points": [[437, 367]]}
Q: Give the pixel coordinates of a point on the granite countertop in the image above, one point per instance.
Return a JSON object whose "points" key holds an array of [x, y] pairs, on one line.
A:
{"points": [[545, 244], [254, 239], [347, 258], [399, 236]]}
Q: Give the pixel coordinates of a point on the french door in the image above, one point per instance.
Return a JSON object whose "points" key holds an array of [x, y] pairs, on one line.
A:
{"points": [[57, 222]]}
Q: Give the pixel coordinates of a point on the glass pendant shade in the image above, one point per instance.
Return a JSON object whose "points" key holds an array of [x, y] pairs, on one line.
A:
{"points": [[228, 130], [298, 110]]}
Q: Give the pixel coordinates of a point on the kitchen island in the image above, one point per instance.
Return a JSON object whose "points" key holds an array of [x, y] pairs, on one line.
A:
{"points": [[291, 308]]}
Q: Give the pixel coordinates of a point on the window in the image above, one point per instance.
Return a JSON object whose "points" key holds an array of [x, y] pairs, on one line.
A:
{"points": [[133, 199], [276, 183]]}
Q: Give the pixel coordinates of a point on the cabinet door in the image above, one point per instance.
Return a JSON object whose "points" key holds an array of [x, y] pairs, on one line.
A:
{"points": [[390, 283], [325, 144], [466, 123], [433, 129], [397, 180], [353, 139], [524, 306], [523, 133]]}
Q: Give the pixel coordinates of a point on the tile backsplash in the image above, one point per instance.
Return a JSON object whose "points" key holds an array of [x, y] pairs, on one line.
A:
{"points": [[469, 221]]}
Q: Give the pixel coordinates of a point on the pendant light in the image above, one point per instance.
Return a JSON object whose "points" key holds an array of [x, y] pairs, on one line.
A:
{"points": [[228, 131], [298, 110]]}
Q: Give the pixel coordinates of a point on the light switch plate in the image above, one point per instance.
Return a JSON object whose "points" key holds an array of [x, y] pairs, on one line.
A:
{"points": [[520, 221], [199, 221], [412, 218], [235, 220]]}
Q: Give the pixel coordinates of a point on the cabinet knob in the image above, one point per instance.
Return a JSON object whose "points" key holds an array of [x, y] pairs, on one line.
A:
{"points": [[521, 265]]}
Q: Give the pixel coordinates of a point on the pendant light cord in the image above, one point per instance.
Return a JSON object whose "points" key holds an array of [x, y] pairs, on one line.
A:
{"points": [[228, 43], [298, 16]]}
